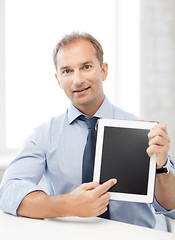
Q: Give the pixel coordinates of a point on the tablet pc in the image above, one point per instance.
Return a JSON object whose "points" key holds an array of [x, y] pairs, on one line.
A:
{"points": [[121, 154]]}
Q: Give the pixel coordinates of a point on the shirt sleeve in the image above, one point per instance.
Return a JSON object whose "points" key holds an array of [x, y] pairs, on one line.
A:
{"points": [[24, 172], [158, 208]]}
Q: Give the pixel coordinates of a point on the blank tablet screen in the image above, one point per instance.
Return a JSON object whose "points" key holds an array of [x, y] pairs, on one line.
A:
{"points": [[124, 157]]}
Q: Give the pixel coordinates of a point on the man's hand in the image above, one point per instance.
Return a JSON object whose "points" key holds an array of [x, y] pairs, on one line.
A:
{"points": [[90, 199], [159, 143]]}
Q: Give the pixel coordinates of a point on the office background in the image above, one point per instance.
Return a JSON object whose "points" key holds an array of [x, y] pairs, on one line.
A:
{"points": [[138, 37]]}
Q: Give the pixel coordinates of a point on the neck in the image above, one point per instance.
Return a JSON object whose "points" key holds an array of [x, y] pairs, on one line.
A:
{"points": [[91, 108]]}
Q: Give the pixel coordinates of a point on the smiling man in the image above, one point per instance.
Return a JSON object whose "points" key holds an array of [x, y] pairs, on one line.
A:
{"points": [[56, 150], [81, 76]]}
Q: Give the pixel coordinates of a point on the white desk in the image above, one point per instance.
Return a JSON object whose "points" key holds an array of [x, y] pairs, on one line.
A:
{"points": [[12, 228]]}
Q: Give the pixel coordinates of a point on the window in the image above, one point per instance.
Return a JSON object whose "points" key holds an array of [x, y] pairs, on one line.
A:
{"points": [[32, 30]]}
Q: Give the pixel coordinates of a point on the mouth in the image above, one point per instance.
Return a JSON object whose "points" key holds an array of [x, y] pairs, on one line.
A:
{"points": [[80, 91]]}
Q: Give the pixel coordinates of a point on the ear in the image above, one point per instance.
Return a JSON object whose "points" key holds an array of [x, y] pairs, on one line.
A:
{"points": [[56, 76], [105, 71]]}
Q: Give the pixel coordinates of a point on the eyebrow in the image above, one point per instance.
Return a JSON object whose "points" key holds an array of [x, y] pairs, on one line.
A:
{"points": [[85, 63], [64, 67], [82, 64]]}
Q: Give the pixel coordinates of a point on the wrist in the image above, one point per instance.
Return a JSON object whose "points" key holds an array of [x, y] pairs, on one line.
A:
{"points": [[161, 165], [164, 169], [61, 205]]}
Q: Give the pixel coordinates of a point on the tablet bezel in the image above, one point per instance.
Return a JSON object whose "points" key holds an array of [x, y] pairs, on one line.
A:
{"points": [[102, 123]]}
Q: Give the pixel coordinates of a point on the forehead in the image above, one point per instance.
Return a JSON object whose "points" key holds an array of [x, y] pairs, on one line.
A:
{"points": [[76, 53]]}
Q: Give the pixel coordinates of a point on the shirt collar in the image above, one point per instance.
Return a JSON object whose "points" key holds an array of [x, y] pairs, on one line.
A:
{"points": [[105, 111]]}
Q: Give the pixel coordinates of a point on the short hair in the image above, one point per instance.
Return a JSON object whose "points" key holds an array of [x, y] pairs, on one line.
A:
{"points": [[74, 37]]}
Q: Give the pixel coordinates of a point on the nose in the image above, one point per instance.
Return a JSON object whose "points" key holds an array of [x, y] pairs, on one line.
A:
{"points": [[77, 78]]}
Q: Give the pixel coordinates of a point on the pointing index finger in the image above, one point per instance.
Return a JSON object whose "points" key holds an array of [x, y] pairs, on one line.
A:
{"points": [[103, 188]]}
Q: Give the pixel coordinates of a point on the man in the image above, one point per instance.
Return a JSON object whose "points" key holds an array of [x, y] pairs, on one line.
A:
{"points": [[56, 148]]}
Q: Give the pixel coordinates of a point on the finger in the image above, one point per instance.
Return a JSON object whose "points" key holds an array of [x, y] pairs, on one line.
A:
{"points": [[104, 187], [157, 132], [141, 119], [161, 154], [162, 126], [157, 149], [89, 186], [101, 211], [150, 150], [104, 200], [158, 140]]}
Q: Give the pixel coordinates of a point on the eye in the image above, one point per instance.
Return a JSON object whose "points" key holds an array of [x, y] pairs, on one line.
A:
{"points": [[66, 71], [87, 67]]}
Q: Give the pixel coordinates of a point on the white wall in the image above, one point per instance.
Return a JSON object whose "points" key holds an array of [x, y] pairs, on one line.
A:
{"points": [[158, 63]]}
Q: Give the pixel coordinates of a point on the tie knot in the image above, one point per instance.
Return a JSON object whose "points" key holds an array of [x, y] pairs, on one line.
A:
{"points": [[91, 122]]}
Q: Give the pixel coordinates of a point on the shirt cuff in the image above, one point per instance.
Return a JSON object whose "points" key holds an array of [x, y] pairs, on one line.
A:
{"points": [[171, 164], [160, 210], [13, 193]]}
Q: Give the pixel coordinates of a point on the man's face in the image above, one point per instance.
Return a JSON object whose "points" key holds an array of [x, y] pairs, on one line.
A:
{"points": [[80, 75]]}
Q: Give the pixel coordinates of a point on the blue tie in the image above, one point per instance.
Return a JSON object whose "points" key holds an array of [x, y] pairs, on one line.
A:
{"points": [[89, 155], [89, 151]]}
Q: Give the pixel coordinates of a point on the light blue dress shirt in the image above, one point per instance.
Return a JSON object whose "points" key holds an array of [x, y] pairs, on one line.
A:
{"points": [[55, 150]]}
